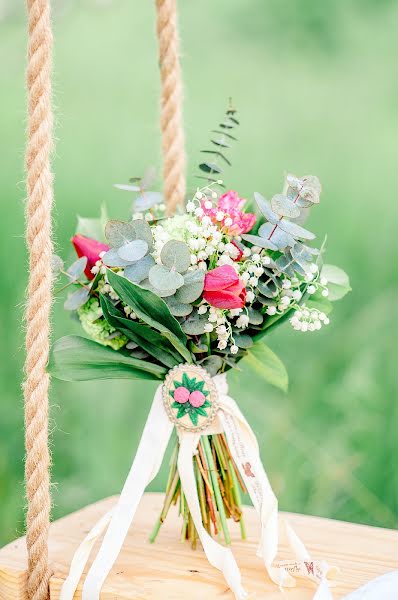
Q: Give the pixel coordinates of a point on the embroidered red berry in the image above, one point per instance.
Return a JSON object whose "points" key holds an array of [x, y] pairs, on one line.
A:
{"points": [[181, 395], [197, 399]]}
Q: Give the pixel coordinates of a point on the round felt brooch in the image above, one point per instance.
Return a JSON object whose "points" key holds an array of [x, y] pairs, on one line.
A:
{"points": [[190, 397]]}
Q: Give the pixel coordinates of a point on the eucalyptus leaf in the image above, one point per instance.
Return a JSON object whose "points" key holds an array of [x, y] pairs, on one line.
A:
{"points": [[282, 206], [148, 178], [76, 299], [57, 264], [139, 270], [266, 364], [296, 230], [192, 288], [242, 340], [267, 289], [210, 167], [265, 208], [194, 325], [77, 268], [255, 316], [256, 240], [75, 358], [178, 309], [142, 231], [279, 238], [162, 278], [133, 251], [127, 187], [176, 255], [212, 364], [147, 200], [119, 233], [111, 258]]}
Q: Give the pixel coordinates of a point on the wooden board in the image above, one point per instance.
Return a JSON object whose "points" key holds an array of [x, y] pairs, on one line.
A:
{"points": [[169, 569]]}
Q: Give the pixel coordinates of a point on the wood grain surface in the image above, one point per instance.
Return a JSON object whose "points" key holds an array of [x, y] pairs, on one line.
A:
{"points": [[170, 569]]}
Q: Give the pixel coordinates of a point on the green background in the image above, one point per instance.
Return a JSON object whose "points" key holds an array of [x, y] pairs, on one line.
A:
{"points": [[317, 92]]}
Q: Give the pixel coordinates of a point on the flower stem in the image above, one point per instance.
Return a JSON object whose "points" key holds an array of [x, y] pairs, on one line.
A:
{"points": [[216, 488]]}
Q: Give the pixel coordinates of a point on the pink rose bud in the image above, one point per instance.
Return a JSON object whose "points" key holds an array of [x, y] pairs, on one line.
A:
{"points": [[181, 395], [89, 248], [197, 398], [224, 289]]}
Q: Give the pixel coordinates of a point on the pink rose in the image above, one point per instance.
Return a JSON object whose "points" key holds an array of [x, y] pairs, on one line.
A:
{"points": [[89, 248], [231, 205], [224, 289]]}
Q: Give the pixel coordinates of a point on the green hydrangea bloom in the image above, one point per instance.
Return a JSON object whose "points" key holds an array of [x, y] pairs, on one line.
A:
{"points": [[97, 327], [176, 227]]}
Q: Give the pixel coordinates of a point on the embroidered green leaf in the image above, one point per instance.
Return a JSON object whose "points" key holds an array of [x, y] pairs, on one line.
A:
{"points": [[181, 411], [193, 415]]}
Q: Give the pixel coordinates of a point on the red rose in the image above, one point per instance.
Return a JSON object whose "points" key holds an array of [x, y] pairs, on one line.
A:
{"points": [[224, 289], [89, 248]]}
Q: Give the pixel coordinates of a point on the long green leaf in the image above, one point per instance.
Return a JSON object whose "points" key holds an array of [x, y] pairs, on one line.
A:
{"points": [[148, 339], [152, 310], [265, 363], [75, 358]]}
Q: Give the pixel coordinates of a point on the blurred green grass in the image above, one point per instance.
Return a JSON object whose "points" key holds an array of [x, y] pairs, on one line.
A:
{"points": [[316, 92]]}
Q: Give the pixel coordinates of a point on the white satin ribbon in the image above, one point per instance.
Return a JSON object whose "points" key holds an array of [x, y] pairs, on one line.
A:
{"points": [[244, 450]]}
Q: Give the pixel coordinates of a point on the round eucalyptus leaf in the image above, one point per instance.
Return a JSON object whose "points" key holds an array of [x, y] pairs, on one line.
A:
{"points": [[139, 270], [284, 207], [142, 231], [112, 259], [189, 293], [176, 255], [177, 308], [194, 325], [255, 316], [133, 251], [262, 241], [242, 340], [77, 299], [162, 278], [76, 269], [197, 276], [119, 233], [161, 293], [212, 364]]}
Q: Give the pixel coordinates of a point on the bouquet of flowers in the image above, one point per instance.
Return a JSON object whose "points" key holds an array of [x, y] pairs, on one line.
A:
{"points": [[183, 299]]}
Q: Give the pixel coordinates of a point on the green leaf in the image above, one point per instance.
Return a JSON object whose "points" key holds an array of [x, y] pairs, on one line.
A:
{"points": [[201, 411], [152, 310], [148, 339], [338, 282], [75, 358], [193, 415], [265, 363], [93, 228]]}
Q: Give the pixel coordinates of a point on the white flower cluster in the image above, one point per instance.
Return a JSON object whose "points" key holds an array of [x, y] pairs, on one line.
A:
{"points": [[306, 319], [218, 321], [253, 269]]}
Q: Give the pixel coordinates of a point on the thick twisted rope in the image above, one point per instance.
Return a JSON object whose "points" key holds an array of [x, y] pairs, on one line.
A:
{"points": [[38, 234], [171, 105]]}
